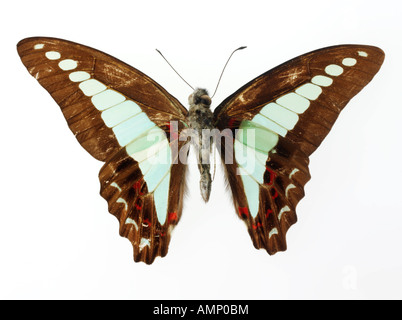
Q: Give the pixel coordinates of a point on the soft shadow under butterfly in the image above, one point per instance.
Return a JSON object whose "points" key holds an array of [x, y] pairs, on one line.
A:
{"points": [[265, 133]]}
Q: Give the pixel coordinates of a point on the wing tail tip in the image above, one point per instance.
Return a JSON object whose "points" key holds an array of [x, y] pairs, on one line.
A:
{"points": [[147, 255]]}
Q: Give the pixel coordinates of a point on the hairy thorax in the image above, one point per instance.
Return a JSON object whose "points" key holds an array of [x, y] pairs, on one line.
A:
{"points": [[200, 115]]}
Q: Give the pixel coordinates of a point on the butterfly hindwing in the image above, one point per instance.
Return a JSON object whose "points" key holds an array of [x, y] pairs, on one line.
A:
{"points": [[121, 117], [278, 120], [124, 187]]}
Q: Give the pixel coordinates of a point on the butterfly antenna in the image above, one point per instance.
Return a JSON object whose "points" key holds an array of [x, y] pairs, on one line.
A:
{"points": [[174, 69], [241, 48]]}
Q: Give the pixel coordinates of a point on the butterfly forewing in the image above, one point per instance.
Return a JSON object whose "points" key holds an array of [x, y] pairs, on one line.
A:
{"points": [[122, 117], [279, 119]]}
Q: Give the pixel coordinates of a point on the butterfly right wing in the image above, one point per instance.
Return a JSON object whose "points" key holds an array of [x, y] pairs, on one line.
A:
{"points": [[290, 110], [123, 118]]}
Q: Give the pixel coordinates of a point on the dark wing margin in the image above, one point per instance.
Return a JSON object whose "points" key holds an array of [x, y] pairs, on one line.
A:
{"points": [[123, 118], [291, 108]]}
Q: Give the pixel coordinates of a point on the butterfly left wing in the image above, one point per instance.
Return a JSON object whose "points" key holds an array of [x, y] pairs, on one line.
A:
{"points": [[283, 116], [121, 117]]}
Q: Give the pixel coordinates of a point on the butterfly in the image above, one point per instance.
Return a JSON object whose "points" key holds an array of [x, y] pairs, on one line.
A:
{"points": [[264, 132]]}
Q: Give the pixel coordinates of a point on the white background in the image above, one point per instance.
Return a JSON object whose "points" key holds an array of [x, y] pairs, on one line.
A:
{"points": [[57, 239]]}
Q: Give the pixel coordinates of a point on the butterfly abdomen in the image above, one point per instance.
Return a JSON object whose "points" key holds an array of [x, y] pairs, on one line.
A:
{"points": [[200, 120]]}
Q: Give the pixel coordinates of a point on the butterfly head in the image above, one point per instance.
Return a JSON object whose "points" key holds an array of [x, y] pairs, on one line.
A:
{"points": [[200, 96]]}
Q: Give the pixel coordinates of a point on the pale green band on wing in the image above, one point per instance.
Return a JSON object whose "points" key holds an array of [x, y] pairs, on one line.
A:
{"points": [[334, 70], [260, 134], [294, 102], [107, 99], [156, 152], [53, 55], [309, 91], [251, 147], [349, 62], [256, 136], [161, 198], [154, 176], [251, 160], [91, 87], [269, 124], [280, 115], [145, 142], [119, 113], [68, 64], [151, 139], [252, 191], [79, 76], [128, 130], [322, 81]]}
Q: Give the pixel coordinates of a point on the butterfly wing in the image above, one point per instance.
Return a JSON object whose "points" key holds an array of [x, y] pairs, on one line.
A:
{"points": [[278, 120], [121, 117]]}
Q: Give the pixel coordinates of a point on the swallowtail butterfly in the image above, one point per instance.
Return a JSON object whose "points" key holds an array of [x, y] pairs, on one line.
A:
{"points": [[265, 133]]}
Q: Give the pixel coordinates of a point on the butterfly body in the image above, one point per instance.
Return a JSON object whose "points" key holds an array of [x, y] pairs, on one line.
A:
{"points": [[200, 120], [265, 133]]}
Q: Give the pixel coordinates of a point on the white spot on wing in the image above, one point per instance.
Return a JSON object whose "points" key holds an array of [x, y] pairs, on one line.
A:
{"points": [[68, 64], [289, 187], [362, 53], [131, 221], [334, 70], [282, 116], [39, 46], [144, 242], [107, 99], [114, 184], [349, 62], [119, 113], [293, 172], [130, 129], [91, 87], [53, 55], [121, 200], [294, 102], [283, 210], [309, 91], [79, 76], [322, 81], [262, 120], [272, 232]]}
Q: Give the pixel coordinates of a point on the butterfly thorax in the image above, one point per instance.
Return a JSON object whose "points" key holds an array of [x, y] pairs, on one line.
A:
{"points": [[200, 120]]}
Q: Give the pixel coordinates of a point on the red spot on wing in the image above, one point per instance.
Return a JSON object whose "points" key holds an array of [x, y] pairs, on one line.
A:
{"points": [[272, 176], [146, 222], [243, 212], [138, 205], [274, 193], [172, 216], [258, 225], [269, 211], [138, 186], [231, 122], [174, 135]]}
